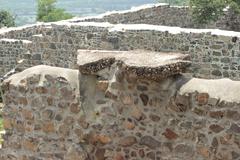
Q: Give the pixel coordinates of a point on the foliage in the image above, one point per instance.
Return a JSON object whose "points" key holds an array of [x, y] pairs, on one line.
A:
{"points": [[47, 12], [6, 19], [176, 2], [205, 11]]}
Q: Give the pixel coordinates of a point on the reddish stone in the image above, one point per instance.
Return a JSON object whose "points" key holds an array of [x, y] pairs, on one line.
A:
{"points": [[27, 114], [102, 85], [216, 128], [23, 101], [48, 127], [169, 134], [128, 141], [118, 156], [216, 114], [202, 98]]}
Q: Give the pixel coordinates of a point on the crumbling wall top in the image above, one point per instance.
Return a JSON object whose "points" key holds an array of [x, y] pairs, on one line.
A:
{"points": [[144, 64]]}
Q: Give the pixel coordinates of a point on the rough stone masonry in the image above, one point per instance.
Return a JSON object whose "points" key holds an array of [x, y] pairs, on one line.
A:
{"points": [[131, 101]]}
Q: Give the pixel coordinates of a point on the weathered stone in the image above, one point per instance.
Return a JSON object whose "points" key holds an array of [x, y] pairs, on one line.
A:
{"points": [[128, 141], [48, 114], [144, 99], [217, 73], [234, 128], [142, 88], [154, 117], [184, 149], [149, 142], [235, 115]]}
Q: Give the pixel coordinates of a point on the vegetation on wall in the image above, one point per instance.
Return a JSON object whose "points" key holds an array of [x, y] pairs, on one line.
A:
{"points": [[205, 11], [47, 12], [6, 19]]}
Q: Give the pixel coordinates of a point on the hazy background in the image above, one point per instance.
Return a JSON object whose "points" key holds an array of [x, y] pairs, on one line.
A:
{"points": [[25, 10]]}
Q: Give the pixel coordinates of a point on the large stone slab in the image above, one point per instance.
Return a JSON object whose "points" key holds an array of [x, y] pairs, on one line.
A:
{"points": [[144, 64]]}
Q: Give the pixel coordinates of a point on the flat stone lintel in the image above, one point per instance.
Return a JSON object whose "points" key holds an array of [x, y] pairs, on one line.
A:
{"points": [[144, 64]]}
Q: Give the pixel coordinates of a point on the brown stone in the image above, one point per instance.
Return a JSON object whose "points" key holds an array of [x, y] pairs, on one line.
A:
{"points": [[7, 123], [151, 155], [67, 94], [104, 139], [29, 145], [141, 153], [202, 98], [64, 130], [199, 111], [82, 122], [50, 101], [126, 99], [144, 99], [119, 156], [48, 127], [99, 154], [142, 88], [27, 114], [41, 90], [68, 120], [234, 115], [110, 95], [216, 128], [154, 117], [204, 151], [23, 101], [102, 85], [169, 134], [149, 142], [216, 114], [136, 113], [128, 125], [75, 108], [128, 141]]}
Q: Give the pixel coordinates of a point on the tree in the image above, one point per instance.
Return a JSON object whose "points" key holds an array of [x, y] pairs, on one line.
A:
{"points": [[47, 12], [6, 19], [205, 11]]}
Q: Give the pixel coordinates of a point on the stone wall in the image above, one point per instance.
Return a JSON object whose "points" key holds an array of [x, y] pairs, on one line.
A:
{"points": [[117, 117], [12, 51], [162, 14], [214, 53]]}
